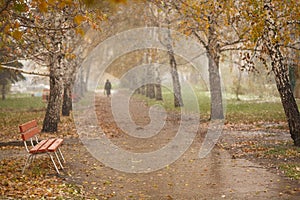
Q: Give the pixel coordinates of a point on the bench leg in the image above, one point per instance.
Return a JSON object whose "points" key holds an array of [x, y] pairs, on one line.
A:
{"points": [[61, 155], [53, 162], [29, 158], [62, 167], [28, 162]]}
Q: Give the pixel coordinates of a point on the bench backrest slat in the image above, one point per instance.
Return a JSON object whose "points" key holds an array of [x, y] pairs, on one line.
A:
{"points": [[30, 133], [28, 125]]}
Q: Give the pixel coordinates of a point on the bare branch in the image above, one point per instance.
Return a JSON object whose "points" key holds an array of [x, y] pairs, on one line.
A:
{"points": [[23, 71]]}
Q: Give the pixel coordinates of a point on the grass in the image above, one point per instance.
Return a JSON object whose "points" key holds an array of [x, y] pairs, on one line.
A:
{"points": [[282, 154], [251, 111], [291, 170], [280, 151], [24, 102], [247, 111], [15, 110]]}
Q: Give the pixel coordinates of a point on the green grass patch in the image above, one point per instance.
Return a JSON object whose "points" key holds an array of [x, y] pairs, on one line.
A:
{"points": [[194, 102], [22, 103], [288, 158], [291, 170], [252, 111], [283, 151], [16, 110], [246, 111]]}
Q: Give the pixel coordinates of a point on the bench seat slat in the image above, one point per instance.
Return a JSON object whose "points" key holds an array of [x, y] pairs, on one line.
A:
{"points": [[37, 146], [55, 145], [44, 147]]}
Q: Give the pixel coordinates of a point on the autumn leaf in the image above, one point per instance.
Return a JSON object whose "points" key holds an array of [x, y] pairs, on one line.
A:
{"points": [[119, 1], [6, 29], [17, 34], [70, 56], [68, 2], [17, 24], [62, 5], [78, 19], [80, 31], [51, 2], [43, 6]]}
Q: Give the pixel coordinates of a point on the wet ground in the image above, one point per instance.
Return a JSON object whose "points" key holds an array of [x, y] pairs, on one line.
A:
{"points": [[222, 174], [217, 176]]}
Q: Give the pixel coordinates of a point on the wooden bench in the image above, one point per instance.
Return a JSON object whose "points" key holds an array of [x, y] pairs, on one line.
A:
{"points": [[29, 132]]}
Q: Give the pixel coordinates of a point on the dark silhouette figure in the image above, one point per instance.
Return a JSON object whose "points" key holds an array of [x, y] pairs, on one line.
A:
{"points": [[107, 87]]}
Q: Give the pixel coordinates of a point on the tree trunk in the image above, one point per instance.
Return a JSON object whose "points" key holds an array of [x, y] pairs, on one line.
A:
{"points": [[297, 83], [238, 87], [176, 84], [286, 95], [67, 100], [142, 89], [3, 92], [289, 104], [52, 116], [70, 70], [150, 91], [80, 87], [174, 73], [213, 51], [280, 70], [150, 88], [215, 90], [158, 92], [87, 76], [138, 91]]}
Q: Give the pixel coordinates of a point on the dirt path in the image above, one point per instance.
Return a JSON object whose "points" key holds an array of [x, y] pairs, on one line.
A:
{"points": [[217, 176]]}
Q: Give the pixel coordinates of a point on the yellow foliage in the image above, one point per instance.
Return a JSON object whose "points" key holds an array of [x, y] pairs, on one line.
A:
{"points": [[43, 6], [70, 56], [78, 19], [17, 24], [62, 5], [119, 1], [6, 29], [69, 2], [91, 3], [17, 34], [51, 2], [88, 2], [80, 31]]}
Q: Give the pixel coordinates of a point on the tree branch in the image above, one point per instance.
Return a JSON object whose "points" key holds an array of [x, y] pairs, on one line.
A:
{"points": [[22, 71]]}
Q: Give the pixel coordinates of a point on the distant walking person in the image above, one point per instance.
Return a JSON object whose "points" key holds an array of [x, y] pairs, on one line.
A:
{"points": [[107, 87]]}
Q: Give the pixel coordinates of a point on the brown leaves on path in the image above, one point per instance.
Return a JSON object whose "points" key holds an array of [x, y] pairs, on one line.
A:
{"points": [[39, 181]]}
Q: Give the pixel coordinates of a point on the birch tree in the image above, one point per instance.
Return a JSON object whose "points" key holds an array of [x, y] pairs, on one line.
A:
{"points": [[46, 26], [274, 32], [163, 15]]}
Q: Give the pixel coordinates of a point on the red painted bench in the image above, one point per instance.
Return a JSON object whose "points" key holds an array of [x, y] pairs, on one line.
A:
{"points": [[29, 132]]}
